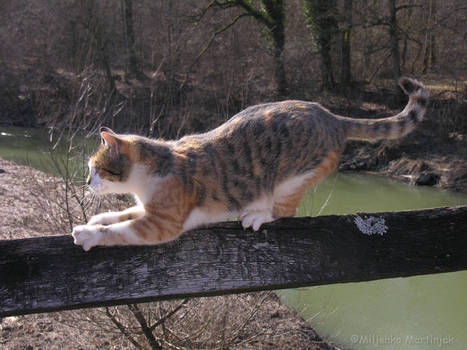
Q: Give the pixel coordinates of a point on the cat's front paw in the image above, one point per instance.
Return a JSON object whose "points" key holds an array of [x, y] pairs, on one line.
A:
{"points": [[87, 236]]}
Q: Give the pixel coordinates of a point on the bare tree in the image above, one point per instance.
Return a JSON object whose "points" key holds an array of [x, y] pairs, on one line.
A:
{"points": [[133, 67], [346, 72], [395, 54], [322, 19], [271, 15], [429, 57]]}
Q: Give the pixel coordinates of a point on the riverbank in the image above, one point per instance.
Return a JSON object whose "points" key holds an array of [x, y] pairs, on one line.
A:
{"points": [[268, 323], [444, 168], [434, 154]]}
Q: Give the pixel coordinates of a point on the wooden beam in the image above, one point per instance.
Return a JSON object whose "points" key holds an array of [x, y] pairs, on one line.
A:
{"points": [[50, 273]]}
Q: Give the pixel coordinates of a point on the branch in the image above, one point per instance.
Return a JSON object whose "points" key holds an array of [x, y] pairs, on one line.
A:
{"points": [[212, 4], [216, 33], [122, 329], [144, 326], [168, 315], [403, 7], [255, 13], [407, 35]]}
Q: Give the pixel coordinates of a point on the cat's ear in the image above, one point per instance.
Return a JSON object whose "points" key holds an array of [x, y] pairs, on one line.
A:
{"points": [[109, 138]]}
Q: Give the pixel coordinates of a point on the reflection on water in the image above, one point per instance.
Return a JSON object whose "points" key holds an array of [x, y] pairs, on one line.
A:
{"points": [[40, 149], [424, 312]]}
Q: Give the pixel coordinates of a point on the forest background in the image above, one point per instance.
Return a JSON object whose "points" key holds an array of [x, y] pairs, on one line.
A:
{"points": [[166, 68]]}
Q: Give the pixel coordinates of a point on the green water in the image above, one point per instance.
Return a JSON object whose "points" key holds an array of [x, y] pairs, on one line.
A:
{"points": [[425, 312], [41, 150]]}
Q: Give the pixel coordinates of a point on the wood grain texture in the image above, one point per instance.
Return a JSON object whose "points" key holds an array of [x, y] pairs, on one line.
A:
{"points": [[50, 273]]}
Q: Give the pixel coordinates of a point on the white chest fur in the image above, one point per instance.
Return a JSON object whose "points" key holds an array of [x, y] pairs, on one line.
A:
{"points": [[139, 182], [200, 216]]}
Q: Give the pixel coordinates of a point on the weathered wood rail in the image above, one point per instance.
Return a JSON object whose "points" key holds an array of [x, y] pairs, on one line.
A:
{"points": [[50, 273]]}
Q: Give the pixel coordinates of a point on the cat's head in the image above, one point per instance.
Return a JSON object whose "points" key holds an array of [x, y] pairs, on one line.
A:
{"points": [[110, 166]]}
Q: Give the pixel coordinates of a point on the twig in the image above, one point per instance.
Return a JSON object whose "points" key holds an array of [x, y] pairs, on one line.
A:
{"points": [[216, 33], [168, 315], [144, 326], [122, 329]]}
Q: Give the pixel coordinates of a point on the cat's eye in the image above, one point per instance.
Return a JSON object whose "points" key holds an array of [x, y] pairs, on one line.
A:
{"points": [[113, 172]]}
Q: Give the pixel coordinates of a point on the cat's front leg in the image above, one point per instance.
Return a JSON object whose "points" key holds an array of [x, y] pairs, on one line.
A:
{"points": [[117, 216], [142, 231], [121, 233]]}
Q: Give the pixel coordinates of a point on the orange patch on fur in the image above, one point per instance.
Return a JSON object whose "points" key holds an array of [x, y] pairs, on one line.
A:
{"points": [[166, 213], [288, 205], [324, 168]]}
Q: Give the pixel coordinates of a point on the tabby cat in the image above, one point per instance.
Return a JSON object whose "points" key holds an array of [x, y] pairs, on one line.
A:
{"points": [[256, 166]]}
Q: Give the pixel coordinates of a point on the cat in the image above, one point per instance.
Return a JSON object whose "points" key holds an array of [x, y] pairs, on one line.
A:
{"points": [[256, 166]]}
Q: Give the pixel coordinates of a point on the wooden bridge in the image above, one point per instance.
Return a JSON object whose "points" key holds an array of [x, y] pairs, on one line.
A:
{"points": [[50, 273]]}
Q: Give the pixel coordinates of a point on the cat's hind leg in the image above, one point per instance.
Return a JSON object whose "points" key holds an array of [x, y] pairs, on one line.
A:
{"points": [[286, 204], [257, 213], [255, 219], [288, 194]]}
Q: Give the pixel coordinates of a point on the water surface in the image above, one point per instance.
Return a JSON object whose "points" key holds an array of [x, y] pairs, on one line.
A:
{"points": [[415, 313], [45, 150]]}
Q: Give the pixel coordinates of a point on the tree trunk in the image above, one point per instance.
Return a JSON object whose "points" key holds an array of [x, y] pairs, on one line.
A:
{"points": [[406, 39], [429, 57], [281, 80], [276, 25], [327, 76], [132, 69], [328, 23], [321, 18], [393, 34], [278, 35], [104, 57], [346, 73]]}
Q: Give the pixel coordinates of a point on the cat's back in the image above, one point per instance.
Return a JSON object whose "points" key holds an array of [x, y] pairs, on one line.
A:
{"points": [[275, 129], [277, 119]]}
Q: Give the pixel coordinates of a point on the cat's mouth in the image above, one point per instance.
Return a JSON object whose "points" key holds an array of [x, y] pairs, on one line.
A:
{"points": [[97, 186]]}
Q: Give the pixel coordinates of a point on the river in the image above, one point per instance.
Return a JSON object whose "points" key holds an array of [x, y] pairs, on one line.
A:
{"points": [[415, 313], [424, 312]]}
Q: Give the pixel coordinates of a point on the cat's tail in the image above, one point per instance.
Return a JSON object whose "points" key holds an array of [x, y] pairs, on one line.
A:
{"points": [[395, 126]]}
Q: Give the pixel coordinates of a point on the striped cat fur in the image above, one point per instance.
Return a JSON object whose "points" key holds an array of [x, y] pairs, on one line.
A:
{"points": [[254, 167]]}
